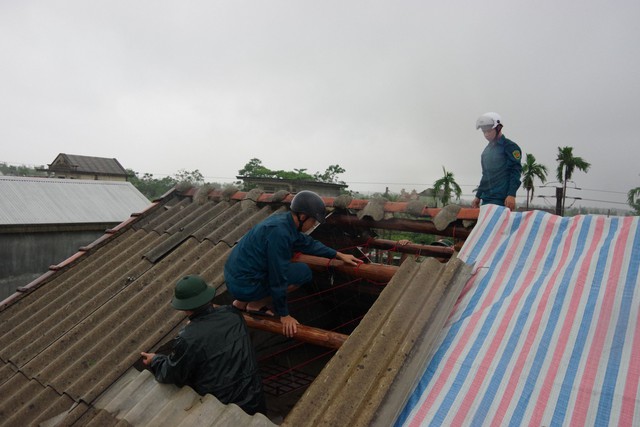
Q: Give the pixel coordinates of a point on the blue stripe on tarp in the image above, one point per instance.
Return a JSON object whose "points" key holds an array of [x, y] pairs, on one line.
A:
{"points": [[544, 343], [613, 367], [465, 368], [560, 411], [509, 351], [432, 367]]}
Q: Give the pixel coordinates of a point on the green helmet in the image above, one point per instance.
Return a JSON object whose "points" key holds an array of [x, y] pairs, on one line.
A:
{"points": [[192, 292]]}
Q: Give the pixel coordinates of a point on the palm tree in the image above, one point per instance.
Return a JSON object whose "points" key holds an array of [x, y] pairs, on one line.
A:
{"points": [[567, 163], [445, 186], [633, 198], [530, 171]]}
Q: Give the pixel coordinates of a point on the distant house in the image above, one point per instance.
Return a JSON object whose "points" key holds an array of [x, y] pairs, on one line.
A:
{"points": [[272, 185], [71, 166], [44, 220]]}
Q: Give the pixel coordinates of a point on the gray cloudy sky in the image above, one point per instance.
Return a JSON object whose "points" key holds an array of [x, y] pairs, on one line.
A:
{"points": [[388, 90]]}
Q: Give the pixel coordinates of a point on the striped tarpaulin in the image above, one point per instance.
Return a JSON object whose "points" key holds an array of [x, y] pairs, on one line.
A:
{"points": [[547, 330]]}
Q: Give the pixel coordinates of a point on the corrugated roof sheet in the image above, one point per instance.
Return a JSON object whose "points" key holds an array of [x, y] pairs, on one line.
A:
{"points": [[73, 334], [371, 375], [547, 331], [27, 201], [76, 335], [166, 404]]}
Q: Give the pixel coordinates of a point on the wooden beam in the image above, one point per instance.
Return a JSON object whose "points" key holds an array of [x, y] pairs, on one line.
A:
{"points": [[305, 333], [411, 248], [374, 272], [457, 231]]}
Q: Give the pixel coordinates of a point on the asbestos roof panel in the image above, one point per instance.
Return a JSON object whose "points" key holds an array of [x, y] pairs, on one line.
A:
{"points": [[27, 402], [165, 404], [82, 329], [547, 332], [27, 201], [369, 378], [79, 332]]}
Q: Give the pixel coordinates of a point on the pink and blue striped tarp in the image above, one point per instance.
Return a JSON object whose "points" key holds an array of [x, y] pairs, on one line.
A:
{"points": [[546, 331]]}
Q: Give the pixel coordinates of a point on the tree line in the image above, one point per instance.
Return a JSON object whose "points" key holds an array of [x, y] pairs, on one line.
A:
{"points": [[255, 168], [153, 188], [444, 188]]}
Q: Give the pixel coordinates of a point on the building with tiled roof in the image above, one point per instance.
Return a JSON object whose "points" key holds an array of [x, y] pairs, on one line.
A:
{"points": [[273, 185], [73, 166]]}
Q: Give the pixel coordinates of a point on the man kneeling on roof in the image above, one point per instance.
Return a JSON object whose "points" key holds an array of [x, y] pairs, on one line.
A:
{"points": [[212, 353], [259, 271]]}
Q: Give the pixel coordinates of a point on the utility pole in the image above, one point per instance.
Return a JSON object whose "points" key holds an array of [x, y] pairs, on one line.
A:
{"points": [[559, 201]]}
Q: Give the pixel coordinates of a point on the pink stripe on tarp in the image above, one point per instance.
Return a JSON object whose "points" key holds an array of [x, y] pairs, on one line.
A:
{"points": [[567, 325], [514, 378], [585, 389], [491, 351]]}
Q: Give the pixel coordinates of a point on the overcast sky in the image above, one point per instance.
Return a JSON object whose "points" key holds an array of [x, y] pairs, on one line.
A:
{"points": [[388, 90]]}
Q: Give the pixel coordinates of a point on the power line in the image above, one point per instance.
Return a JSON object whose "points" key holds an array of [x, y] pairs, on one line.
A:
{"points": [[390, 183], [606, 201], [606, 191]]}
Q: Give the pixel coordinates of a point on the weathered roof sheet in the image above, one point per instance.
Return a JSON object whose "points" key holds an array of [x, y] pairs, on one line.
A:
{"points": [[78, 330], [166, 404], [369, 378], [547, 331], [27, 201], [69, 339]]}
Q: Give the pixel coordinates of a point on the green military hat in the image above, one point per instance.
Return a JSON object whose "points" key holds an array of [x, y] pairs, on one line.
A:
{"points": [[192, 292]]}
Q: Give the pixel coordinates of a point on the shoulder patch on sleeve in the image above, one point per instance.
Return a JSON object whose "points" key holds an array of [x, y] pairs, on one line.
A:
{"points": [[516, 154]]}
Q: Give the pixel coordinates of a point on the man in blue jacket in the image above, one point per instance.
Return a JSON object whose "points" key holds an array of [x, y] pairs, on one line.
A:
{"points": [[501, 165], [259, 271]]}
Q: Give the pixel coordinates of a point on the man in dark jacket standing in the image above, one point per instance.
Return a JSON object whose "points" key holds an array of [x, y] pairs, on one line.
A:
{"points": [[501, 165], [212, 353]]}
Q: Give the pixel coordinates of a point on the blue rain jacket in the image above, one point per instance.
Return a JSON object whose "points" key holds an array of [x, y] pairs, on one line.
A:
{"points": [[259, 264], [501, 170]]}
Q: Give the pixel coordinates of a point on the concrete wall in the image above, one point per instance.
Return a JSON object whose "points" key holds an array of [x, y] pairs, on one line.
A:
{"points": [[89, 176], [271, 185], [26, 256]]}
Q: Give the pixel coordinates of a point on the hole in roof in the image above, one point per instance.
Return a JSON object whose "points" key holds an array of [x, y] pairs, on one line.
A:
{"points": [[335, 302]]}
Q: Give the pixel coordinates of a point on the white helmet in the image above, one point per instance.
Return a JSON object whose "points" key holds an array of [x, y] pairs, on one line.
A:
{"points": [[488, 121]]}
